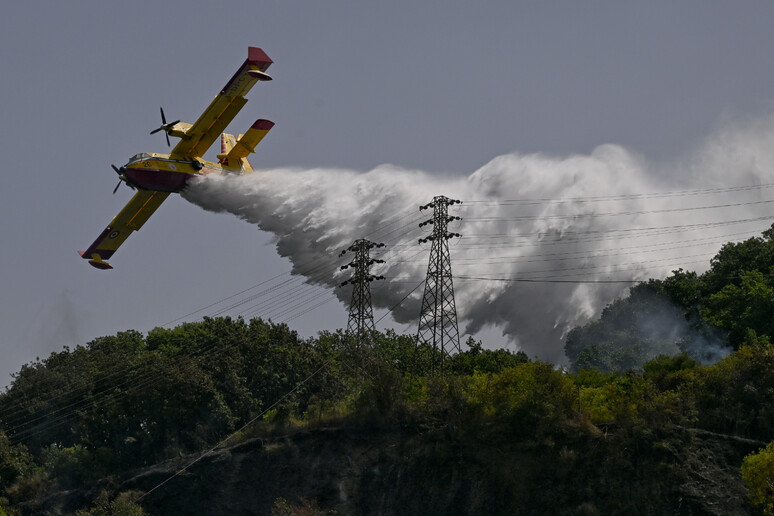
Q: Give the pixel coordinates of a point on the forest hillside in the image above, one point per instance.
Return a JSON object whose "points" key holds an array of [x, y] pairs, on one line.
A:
{"points": [[667, 408]]}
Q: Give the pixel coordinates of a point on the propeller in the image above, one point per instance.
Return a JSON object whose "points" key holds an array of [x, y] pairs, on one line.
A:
{"points": [[165, 126], [121, 178]]}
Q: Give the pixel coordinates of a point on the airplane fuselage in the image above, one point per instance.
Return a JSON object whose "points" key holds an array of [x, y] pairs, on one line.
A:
{"points": [[158, 172]]}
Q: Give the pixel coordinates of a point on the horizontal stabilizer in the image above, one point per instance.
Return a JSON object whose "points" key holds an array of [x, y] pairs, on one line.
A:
{"points": [[247, 142]]}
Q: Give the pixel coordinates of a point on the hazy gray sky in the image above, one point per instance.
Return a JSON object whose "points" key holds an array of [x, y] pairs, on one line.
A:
{"points": [[437, 86]]}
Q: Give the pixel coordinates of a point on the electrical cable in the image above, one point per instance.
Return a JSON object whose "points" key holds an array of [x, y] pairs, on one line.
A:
{"points": [[225, 439], [620, 197]]}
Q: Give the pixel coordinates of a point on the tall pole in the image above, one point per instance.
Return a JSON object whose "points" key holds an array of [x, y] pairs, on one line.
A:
{"points": [[361, 316], [438, 317]]}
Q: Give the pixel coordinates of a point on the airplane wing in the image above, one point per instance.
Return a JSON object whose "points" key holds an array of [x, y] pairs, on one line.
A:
{"points": [[203, 133], [130, 219]]}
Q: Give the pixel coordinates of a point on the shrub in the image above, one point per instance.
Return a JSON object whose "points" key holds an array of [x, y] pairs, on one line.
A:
{"points": [[123, 505], [530, 396], [758, 476]]}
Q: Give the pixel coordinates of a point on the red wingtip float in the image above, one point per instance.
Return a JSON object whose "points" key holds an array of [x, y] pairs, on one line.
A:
{"points": [[155, 175]]}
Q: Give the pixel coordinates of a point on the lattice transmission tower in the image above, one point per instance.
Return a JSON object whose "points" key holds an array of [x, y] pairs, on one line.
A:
{"points": [[361, 316], [438, 317]]}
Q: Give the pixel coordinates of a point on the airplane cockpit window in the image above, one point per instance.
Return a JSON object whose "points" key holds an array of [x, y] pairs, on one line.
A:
{"points": [[138, 157]]}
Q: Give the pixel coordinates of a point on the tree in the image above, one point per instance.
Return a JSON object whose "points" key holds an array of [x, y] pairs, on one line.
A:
{"points": [[758, 476], [747, 303], [736, 395], [15, 461], [629, 332], [123, 505], [753, 254]]}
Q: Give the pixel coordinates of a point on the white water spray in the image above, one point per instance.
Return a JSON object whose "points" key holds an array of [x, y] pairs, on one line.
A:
{"points": [[570, 223]]}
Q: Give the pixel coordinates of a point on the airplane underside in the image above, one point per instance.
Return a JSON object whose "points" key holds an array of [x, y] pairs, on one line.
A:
{"points": [[158, 180]]}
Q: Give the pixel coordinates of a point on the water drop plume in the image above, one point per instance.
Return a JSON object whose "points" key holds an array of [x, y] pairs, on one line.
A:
{"points": [[571, 225]]}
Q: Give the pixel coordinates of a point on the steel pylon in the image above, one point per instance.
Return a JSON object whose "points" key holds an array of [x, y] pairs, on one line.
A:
{"points": [[438, 317], [361, 316]]}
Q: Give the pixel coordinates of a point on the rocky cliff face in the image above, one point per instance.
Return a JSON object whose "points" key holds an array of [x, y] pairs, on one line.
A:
{"points": [[437, 471]]}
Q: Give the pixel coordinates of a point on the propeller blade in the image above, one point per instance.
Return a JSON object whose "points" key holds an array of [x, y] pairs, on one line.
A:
{"points": [[165, 126], [167, 135], [121, 178]]}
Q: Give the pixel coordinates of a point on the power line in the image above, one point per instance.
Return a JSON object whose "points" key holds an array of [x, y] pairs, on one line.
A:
{"points": [[581, 255], [619, 213], [647, 231], [547, 280], [240, 429], [316, 267], [62, 414], [620, 197]]}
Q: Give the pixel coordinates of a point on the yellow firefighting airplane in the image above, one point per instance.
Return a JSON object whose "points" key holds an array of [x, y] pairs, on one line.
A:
{"points": [[155, 176]]}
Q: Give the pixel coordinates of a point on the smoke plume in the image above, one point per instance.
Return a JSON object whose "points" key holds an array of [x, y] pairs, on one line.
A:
{"points": [[573, 225]]}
